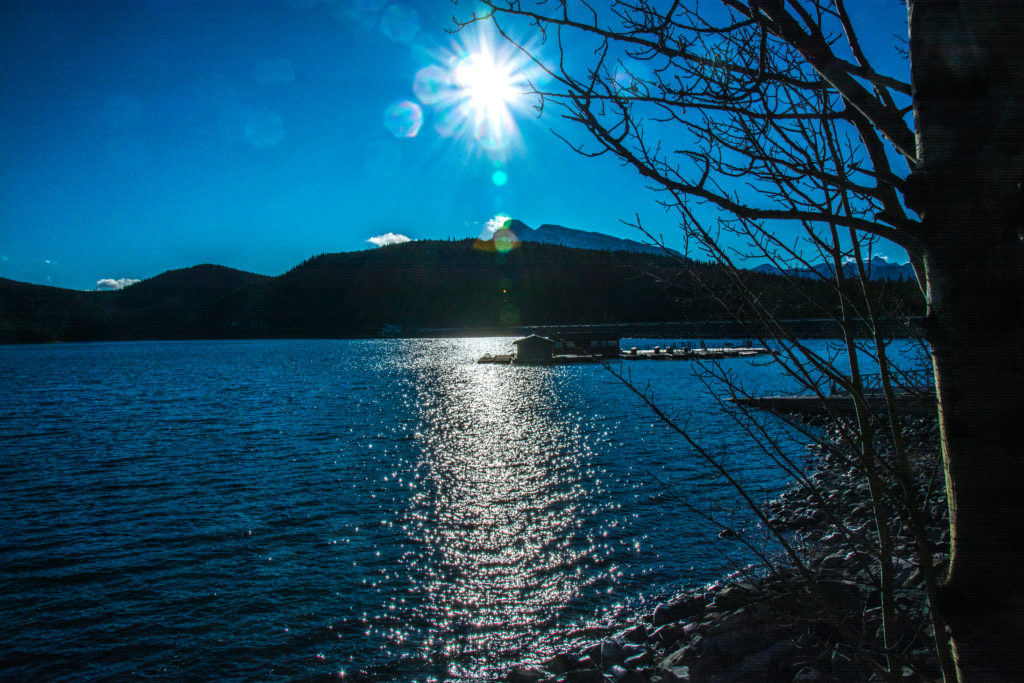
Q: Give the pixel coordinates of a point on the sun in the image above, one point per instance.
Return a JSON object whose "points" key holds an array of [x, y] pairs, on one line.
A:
{"points": [[475, 89], [487, 85]]}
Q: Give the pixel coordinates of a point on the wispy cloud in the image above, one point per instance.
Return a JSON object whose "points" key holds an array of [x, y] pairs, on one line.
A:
{"points": [[494, 225], [109, 284], [388, 238]]}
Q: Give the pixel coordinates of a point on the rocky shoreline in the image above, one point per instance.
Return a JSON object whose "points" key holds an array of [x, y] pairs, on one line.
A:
{"points": [[823, 624]]}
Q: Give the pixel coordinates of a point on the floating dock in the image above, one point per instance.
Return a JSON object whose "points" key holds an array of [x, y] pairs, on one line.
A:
{"points": [[702, 353], [657, 353]]}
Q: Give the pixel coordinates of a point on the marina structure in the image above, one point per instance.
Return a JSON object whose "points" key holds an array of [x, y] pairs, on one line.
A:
{"points": [[537, 350]]}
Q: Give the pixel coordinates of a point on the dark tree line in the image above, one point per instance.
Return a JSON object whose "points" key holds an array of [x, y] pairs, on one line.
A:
{"points": [[463, 284]]}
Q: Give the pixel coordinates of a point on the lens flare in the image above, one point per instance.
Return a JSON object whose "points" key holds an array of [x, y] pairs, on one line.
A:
{"points": [[505, 241], [497, 236], [400, 23], [403, 119], [432, 84]]}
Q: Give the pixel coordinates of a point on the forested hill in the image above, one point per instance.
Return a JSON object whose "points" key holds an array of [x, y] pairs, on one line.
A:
{"points": [[417, 285]]}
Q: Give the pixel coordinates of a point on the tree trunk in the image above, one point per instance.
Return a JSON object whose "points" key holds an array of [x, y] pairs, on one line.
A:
{"points": [[978, 349], [967, 61]]}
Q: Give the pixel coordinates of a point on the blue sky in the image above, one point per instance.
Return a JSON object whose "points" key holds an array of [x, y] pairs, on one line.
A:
{"points": [[138, 136]]}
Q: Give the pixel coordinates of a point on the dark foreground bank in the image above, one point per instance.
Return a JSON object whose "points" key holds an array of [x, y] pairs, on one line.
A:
{"points": [[824, 624]]}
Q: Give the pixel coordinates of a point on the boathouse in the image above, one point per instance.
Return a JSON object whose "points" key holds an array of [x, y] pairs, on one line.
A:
{"points": [[534, 349]]}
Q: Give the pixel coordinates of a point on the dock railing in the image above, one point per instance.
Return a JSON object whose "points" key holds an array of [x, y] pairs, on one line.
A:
{"points": [[903, 382]]}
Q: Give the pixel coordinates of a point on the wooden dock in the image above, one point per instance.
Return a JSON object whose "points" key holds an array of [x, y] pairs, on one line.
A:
{"points": [[841, 405], [497, 358], [657, 353], [702, 353], [510, 358]]}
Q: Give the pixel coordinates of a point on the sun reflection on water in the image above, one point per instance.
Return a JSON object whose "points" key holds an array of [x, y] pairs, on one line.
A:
{"points": [[499, 514]]}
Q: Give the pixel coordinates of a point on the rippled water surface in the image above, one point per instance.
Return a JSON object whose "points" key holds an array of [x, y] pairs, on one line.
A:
{"points": [[297, 509]]}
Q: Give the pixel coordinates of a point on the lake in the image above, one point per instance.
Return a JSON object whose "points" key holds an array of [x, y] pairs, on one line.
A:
{"points": [[386, 509]]}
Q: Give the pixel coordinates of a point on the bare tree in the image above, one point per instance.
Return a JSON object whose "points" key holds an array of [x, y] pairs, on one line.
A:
{"points": [[770, 113]]}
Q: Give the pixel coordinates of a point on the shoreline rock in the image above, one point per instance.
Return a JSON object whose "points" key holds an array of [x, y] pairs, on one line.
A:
{"points": [[784, 625]]}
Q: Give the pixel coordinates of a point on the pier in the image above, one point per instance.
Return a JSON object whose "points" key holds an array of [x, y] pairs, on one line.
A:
{"points": [[840, 405], [658, 353], [912, 390]]}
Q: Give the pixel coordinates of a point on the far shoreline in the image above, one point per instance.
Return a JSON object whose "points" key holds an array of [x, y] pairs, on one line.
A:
{"points": [[800, 328]]}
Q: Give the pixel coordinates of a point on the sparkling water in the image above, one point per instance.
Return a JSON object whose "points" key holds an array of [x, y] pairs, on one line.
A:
{"points": [[376, 510]]}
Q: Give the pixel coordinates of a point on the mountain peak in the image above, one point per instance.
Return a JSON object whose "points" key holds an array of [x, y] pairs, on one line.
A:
{"points": [[560, 235], [878, 268]]}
